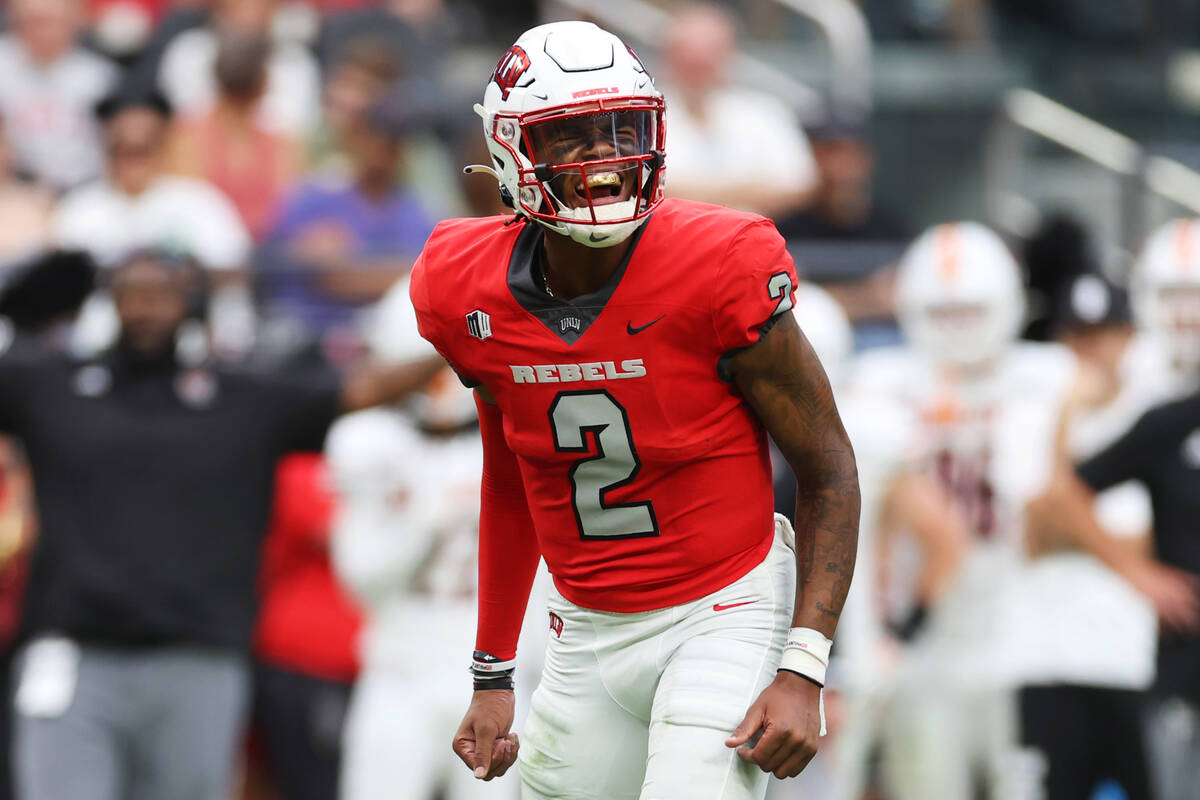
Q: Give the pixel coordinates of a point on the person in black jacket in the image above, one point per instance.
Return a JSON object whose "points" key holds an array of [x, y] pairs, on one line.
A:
{"points": [[153, 480]]}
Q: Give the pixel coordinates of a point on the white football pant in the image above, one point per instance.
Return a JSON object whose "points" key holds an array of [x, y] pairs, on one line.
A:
{"points": [[639, 705]]}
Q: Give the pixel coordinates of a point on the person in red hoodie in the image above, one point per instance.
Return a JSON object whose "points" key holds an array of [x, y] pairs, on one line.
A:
{"points": [[305, 639]]}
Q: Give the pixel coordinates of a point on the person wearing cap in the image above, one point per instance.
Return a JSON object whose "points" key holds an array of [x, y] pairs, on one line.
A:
{"points": [[154, 480], [1088, 649], [1157, 450]]}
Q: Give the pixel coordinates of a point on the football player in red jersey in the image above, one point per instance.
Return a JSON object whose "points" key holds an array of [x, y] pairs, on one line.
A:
{"points": [[630, 355]]}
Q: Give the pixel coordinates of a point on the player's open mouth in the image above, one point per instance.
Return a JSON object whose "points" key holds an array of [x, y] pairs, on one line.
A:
{"points": [[605, 187]]}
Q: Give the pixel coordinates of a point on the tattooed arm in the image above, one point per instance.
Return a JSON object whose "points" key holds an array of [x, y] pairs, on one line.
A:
{"points": [[784, 383]]}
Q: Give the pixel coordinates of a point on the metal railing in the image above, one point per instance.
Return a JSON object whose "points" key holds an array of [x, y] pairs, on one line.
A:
{"points": [[1138, 174]]}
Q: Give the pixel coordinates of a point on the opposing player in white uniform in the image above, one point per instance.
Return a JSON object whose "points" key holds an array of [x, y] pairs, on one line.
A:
{"points": [[405, 539], [894, 494], [983, 412], [1165, 292]]}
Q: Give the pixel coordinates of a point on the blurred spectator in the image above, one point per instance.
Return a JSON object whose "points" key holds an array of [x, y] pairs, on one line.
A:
{"points": [[407, 29], [843, 206], [229, 146], [305, 638], [154, 482], [356, 80], [50, 86], [138, 205], [844, 212], [725, 144], [339, 245], [24, 210], [290, 102]]}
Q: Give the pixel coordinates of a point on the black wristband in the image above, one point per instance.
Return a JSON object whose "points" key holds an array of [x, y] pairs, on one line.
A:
{"points": [[813, 681], [491, 672]]}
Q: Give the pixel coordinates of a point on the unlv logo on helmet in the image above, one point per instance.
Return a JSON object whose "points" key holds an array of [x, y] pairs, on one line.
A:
{"points": [[510, 69]]}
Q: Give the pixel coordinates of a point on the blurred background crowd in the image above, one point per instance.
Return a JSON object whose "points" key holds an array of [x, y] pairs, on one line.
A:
{"points": [[297, 154]]}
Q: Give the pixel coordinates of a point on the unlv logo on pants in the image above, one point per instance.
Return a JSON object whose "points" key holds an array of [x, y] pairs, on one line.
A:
{"points": [[510, 69]]}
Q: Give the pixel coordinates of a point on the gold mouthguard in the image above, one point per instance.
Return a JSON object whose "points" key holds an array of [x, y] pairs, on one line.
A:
{"points": [[603, 179]]}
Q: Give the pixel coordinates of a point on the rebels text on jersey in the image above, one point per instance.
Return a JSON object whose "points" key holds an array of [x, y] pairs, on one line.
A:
{"points": [[647, 476]]}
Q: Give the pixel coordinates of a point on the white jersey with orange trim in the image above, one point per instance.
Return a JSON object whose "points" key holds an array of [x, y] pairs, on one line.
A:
{"points": [[989, 439], [404, 543], [406, 528]]}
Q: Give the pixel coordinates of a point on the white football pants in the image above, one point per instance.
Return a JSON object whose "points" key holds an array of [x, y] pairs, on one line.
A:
{"points": [[639, 705]]}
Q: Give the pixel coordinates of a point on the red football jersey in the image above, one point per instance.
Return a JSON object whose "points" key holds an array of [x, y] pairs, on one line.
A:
{"points": [[647, 476]]}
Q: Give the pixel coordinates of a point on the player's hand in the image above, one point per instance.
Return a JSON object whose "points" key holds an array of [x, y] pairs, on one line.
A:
{"points": [[786, 721], [483, 741], [1175, 594]]}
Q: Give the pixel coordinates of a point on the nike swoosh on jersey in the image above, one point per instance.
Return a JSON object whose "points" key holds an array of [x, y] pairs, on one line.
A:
{"points": [[719, 607], [632, 331]]}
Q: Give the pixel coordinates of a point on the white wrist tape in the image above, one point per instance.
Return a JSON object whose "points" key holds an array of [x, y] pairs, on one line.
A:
{"points": [[806, 653]]}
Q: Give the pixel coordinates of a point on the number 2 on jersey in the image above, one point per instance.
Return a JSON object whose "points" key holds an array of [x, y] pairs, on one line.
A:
{"points": [[574, 415]]}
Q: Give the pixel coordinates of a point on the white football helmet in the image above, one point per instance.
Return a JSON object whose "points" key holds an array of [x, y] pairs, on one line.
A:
{"points": [[574, 126], [959, 295], [390, 331], [1165, 290]]}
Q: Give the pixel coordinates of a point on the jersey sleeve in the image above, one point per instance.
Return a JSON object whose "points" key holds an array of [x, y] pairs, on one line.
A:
{"points": [[1129, 458], [429, 323], [755, 285], [508, 550]]}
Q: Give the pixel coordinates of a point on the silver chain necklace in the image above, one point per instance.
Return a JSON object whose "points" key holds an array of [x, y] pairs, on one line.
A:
{"points": [[545, 276]]}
